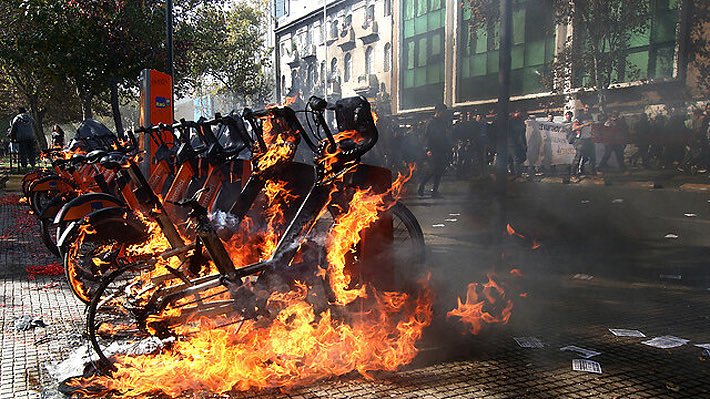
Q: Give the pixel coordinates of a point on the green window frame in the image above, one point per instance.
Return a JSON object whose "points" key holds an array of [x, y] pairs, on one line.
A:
{"points": [[422, 66], [533, 40]]}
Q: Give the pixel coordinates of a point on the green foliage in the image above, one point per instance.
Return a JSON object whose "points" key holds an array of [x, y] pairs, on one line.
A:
{"points": [[59, 54]]}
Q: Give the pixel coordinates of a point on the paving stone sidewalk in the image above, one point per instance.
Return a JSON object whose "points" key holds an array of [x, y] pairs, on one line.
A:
{"points": [[560, 311]]}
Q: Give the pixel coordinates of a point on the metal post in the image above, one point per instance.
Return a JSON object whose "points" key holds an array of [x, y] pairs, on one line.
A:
{"points": [[502, 117], [500, 217], [169, 35], [325, 50]]}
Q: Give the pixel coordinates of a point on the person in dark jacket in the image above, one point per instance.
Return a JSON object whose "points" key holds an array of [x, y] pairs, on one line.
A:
{"points": [[22, 131], [437, 151], [57, 136], [517, 144]]}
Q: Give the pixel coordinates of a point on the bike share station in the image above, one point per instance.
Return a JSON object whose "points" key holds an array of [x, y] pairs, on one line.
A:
{"points": [[185, 229]]}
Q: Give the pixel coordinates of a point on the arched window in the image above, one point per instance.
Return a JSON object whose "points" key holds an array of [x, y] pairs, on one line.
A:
{"points": [[322, 72], [309, 77], [388, 57], [388, 8], [348, 67], [334, 29], [283, 84], [333, 66], [369, 63]]}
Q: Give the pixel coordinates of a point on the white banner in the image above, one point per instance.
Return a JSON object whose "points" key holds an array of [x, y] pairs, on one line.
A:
{"points": [[547, 144]]}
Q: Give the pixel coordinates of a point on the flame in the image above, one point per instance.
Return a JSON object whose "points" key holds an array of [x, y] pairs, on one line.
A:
{"points": [[364, 209], [297, 348], [298, 344], [485, 304], [374, 116], [288, 101], [280, 143]]}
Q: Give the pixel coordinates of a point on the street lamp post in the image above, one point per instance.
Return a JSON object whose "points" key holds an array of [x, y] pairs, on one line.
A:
{"points": [[169, 35]]}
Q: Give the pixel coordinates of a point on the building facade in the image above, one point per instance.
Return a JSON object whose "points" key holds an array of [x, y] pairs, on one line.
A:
{"points": [[338, 50], [414, 54]]}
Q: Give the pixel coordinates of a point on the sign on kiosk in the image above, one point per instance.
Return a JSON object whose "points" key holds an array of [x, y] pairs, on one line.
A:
{"points": [[156, 107]]}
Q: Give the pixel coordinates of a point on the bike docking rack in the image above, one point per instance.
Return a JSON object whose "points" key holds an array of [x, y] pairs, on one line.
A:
{"points": [[157, 277]]}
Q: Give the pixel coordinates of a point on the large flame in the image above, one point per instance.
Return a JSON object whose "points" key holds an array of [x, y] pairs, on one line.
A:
{"points": [[297, 344]]}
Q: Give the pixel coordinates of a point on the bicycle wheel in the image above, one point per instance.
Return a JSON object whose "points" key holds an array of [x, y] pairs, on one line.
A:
{"points": [[90, 256], [50, 232], [116, 315]]}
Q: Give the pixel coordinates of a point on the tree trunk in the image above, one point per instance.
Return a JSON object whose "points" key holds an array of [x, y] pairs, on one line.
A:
{"points": [[601, 86], [85, 98], [115, 107]]}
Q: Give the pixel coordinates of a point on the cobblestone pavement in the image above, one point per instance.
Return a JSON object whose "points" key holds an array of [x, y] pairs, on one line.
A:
{"points": [[559, 308]]}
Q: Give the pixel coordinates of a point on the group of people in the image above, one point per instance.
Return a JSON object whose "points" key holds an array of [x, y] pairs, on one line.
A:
{"points": [[467, 146], [23, 139]]}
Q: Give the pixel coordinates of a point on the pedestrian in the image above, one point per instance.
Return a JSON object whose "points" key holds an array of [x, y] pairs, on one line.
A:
{"points": [[696, 146], [57, 136], [583, 145], [438, 148], [22, 131], [517, 144], [615, 142]]}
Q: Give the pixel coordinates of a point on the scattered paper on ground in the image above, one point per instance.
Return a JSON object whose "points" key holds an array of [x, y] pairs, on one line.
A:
{"points": [[622, 332], [584, 201], [690, 215], [671, 276], [438, 225], [704, 346], [458, 214], [588, 366], [451, 220], [529, 342], [581, 276], [585, 353], [617, 201], [671, 236], [666, 342]]}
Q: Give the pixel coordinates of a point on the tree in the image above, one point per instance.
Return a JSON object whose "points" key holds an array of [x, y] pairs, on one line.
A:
{"points": [[698, 45], [228, 48], [595, 57]]}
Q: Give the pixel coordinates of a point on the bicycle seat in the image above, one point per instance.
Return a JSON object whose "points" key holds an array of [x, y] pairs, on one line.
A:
{"points": [[114, 160], [76, 159], [95, 156]]}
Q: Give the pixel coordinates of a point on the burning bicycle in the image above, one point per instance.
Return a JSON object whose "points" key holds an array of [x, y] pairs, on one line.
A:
{"points": [[319, 253]]}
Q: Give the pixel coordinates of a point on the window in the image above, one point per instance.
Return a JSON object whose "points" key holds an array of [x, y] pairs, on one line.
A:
{"points": [[388, 8], [348, 67], [422, 68], [322, 72], [369, 63], [283, 84], [333, 66], [280, 8], [310, 78], [369, 14], [532, 51], [334, 29], [650, 53], [388, 57]]}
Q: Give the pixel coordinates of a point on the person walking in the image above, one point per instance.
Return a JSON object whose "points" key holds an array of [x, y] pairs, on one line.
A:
{"points": [[517, 144], [583, 145], [57, 136], [22, 131], [437, 151], [616, 142]]}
